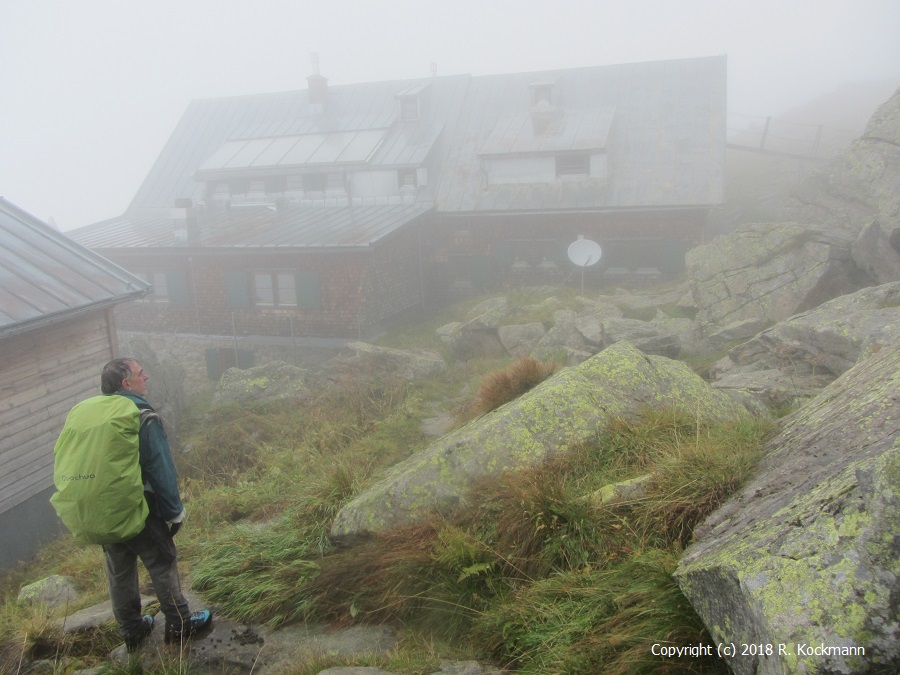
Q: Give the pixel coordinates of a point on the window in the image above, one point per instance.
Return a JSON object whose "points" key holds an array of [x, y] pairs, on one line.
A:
{"points": [[314, 182], [334, 180], [166, 287], [543, 93], [573, 165], [274, 289], [406, 178]]}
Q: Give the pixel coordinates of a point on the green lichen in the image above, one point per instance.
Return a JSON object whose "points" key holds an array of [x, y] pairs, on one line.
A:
{"points": [[570, 407]]}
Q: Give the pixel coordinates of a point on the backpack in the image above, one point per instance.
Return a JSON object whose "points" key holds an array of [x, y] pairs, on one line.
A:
{"points": [[97, 472]]}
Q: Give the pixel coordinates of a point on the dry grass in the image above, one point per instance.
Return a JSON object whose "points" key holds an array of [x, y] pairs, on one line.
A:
{"points": [[503, 386]]}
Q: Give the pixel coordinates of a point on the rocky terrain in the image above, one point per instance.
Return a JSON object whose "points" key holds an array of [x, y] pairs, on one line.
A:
{"points": [[800, 315]]}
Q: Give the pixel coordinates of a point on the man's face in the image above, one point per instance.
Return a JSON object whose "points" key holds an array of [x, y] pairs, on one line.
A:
{"points": [[137, 380]]}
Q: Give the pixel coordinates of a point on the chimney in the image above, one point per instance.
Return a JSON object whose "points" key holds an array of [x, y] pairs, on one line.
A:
{"points": [[316, 84]]}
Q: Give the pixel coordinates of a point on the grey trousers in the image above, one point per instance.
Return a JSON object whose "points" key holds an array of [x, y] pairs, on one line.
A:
{"points": [[157, 552]]}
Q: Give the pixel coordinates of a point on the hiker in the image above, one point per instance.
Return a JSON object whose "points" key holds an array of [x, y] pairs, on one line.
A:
{"points": [[154, 544]]}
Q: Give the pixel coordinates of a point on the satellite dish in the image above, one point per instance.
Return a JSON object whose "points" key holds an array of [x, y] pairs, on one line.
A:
{"points": [[584, 252]]}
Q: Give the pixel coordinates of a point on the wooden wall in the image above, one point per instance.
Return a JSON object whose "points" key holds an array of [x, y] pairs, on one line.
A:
{"points": [[44, 373]]}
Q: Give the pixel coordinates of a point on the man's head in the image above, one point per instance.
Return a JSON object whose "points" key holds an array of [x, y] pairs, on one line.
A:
{"points": [[121, 374]]}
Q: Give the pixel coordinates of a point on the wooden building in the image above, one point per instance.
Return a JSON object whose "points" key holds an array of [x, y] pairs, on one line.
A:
{"points": [[327, 211], [57, 330]]}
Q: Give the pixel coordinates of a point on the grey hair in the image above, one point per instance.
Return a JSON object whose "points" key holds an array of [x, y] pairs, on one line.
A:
{"points": [[114, 372]]}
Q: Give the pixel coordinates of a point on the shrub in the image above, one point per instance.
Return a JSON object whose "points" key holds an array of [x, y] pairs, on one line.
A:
{"points": [[503, 386]]}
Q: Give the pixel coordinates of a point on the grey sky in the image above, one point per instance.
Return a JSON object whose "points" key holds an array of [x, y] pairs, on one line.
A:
{"points": [[91, 90]]}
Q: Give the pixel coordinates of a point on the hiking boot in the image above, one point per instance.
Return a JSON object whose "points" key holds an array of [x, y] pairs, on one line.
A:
{"points": [[134, 640], [197, 622]]}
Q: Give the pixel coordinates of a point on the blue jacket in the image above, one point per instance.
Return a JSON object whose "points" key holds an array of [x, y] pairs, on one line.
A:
{"points": [[157, 465]]}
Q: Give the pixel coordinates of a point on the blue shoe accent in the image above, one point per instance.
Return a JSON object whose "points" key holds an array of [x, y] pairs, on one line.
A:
{"points": [[198, 621]]}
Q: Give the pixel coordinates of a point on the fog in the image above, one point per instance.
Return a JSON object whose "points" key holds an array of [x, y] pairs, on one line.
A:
{"points": [[92, 90]]}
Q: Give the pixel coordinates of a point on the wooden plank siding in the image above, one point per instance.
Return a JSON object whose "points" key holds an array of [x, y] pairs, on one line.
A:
{"points": [[46, 371]]}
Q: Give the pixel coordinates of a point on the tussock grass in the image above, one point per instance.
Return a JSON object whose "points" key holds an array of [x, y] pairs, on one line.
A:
{"points": [[503, 386], [535, 572], [542, 577]]}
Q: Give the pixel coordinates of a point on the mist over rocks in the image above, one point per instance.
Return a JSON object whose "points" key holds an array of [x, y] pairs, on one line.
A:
{"points": [[840, 233], [569, 407]]}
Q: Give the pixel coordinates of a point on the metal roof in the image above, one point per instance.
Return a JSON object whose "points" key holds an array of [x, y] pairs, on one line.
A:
{"points": [[320, 227], [45, 276], [665, 142], [210, 129], [570, 131]]}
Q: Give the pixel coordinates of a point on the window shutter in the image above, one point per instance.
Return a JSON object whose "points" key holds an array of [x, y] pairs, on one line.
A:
{"points": [[179, 294], [308, 290], [237, 289]]}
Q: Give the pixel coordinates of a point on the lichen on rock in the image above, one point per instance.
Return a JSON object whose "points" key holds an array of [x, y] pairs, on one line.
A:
{"points": [[809, 551], [569, 407]]}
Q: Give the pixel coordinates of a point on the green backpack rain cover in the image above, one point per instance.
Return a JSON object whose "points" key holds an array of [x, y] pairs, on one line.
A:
{"points": [[97, 472]]}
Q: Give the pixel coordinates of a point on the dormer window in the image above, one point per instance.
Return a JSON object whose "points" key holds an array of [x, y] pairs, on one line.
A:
{"points": [[406, 178], [543, 93], [575, 164]]}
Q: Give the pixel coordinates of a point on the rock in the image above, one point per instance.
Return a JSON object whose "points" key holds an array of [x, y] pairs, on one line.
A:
{"points": [[276, 381], [829, 339], [489, 314], [735, 332], [477, 336], [52, 591], [94, 617], [571, 406], [650, 338], [446, 331], [773, 387], [562, 337], [619, 493], [768, 273], [807, 552], [876, 251], [519, 339], [411, 364], [862, 185], [684, 331]]}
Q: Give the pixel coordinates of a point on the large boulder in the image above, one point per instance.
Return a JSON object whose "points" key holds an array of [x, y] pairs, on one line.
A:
{"points": [[862, 184], [51, 591], [827, 340], [276, 381], [769, 272], [411, 364], [876, 250], [519, 339], [567, 408], [580, 336], [806, 557], [792, 361]]}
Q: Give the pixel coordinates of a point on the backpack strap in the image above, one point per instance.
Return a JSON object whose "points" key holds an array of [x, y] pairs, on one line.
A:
{"points": [[147, 414]]}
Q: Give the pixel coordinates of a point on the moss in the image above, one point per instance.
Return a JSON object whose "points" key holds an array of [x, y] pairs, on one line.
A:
{"points": [[813, 581], [570, 407]]}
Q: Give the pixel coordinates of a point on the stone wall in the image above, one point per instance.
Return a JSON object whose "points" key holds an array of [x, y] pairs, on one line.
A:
{"points": [[188, 354]]}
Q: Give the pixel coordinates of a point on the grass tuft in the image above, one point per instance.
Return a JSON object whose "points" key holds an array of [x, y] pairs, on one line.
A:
{"points": [[506, 385]]}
